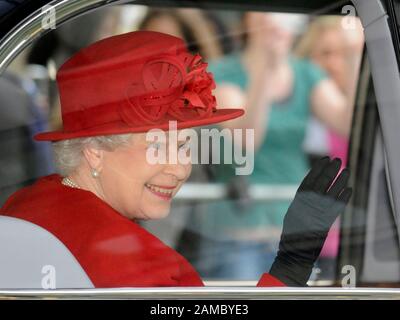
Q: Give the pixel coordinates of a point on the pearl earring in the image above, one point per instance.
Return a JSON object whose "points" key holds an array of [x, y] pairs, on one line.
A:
{"points": [[95, 173]]}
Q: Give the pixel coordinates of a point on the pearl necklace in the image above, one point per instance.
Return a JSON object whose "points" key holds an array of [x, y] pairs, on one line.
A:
{"points": [[69, 183]]}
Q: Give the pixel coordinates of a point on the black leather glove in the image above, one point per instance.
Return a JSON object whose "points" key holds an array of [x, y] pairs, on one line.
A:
{"points": [[315, 207]]}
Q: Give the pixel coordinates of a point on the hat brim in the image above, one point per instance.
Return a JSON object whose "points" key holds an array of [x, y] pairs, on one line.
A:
{"points": [[120, 127]]}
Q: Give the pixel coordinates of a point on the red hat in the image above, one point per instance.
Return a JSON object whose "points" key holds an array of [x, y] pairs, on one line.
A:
{"points": [[135, 82]]}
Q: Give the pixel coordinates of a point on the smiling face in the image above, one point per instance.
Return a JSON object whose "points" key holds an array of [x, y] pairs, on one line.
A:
{"points": [[135, 187]]}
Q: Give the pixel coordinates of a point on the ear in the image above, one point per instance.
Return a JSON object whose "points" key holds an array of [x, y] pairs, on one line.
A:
{"points": [[94, 157]]}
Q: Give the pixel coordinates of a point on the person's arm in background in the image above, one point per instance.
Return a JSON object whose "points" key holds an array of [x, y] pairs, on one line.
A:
{"points": [[255, 102], [354, 46], [331, 107], [262, 62]]}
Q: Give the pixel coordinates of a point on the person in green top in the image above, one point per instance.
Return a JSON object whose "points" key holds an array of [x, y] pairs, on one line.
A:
{"points": [[279, 94]]}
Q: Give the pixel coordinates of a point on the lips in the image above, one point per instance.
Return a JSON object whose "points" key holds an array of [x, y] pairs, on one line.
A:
{"points": [[163, 192]]}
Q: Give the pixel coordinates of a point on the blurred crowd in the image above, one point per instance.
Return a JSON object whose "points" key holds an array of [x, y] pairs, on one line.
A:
{"points": [[296, 76]]}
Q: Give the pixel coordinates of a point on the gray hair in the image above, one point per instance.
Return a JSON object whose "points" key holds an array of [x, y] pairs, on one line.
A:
{"points": [[68, 154]]}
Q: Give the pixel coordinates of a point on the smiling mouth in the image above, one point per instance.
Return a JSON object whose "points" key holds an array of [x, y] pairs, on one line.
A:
{"points": [[164, 193]]}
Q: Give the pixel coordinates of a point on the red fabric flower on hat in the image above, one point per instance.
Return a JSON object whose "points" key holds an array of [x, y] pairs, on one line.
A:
{"points": [[176, 86], [197, 92]]}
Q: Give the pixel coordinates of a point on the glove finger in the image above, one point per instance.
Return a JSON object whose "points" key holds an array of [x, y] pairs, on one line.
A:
{"points": [[316, 170], [345, 195], [339, 184], [327, 176], [340, 204]]}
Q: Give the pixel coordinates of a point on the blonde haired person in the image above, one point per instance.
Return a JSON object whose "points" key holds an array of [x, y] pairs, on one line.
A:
{"points": [[337, 49]]}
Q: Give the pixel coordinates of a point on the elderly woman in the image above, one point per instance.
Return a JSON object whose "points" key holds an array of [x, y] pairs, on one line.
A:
{"points": [[112, 93]]}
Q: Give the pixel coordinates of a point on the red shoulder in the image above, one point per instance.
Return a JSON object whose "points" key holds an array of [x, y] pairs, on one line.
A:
{"points": [[30, 195]]}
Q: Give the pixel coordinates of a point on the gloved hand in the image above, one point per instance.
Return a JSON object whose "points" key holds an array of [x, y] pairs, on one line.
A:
{"points": [[315, 207]]}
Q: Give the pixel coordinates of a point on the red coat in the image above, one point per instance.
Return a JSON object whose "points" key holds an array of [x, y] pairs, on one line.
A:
{"points": [[113, 250]]}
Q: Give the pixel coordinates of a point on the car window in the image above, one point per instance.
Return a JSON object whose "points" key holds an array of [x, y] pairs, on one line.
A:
{"points": [[299, 78]]}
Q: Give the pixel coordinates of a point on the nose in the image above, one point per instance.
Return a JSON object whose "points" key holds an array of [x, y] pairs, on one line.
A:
{"points": [[180, 171]]}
